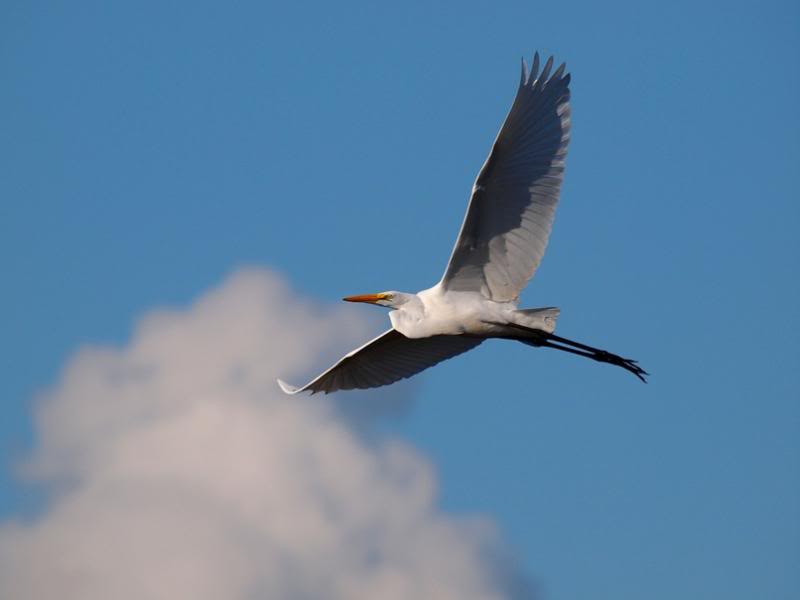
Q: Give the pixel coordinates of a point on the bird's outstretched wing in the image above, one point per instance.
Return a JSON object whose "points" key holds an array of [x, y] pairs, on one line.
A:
{"points": [[513, 203], [388, 358]]}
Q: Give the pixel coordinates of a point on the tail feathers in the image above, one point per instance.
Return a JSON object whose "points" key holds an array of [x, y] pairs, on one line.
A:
{"points": [[539, 318]]}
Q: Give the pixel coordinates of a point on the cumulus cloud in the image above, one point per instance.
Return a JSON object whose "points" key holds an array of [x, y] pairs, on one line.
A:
{"points": [[176, 469]]}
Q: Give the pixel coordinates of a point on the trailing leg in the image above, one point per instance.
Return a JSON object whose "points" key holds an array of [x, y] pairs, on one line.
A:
{"points": [[539, 338]]}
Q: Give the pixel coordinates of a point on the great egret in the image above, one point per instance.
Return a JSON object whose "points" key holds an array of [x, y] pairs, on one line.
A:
{"points": [[501, 243]]}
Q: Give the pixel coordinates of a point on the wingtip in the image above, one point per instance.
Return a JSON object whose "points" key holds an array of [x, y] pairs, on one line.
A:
{"points": [[545, 75], [287, 388], [560, 70]]}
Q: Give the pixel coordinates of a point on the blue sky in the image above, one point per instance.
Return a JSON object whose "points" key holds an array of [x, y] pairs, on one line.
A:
{"points": [[152, 148]]}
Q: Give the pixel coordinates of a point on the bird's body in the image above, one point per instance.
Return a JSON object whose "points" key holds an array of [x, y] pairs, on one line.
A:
{"points": [[500, 245], [437, 311]]}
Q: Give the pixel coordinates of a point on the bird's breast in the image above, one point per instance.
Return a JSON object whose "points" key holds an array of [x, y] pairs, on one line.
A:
{"points": [[412, 325], [443, 317]]}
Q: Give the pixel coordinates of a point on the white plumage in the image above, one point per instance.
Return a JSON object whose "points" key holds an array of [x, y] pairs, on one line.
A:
{"points": [[500, 245]]}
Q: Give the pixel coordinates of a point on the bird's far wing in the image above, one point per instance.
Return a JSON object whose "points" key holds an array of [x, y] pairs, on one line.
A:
{"points": [[513, 203], [388, 358]]}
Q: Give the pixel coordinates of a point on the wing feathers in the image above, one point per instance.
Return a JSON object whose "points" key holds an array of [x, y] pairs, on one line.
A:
{"points": [[388, 358], [511, 211]]}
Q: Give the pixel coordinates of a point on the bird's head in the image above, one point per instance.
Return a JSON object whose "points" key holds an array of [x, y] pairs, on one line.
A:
{"points": [[389, 299]]}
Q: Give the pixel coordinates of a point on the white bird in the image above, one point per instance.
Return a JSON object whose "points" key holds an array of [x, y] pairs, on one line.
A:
{"points": [[501, 243]]}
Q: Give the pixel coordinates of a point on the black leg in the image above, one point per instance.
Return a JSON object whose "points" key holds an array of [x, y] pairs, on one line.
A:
{"points": [[537, 337]]}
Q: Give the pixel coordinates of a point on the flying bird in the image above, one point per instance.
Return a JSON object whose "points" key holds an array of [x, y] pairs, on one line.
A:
{"points": [[500, 245]]}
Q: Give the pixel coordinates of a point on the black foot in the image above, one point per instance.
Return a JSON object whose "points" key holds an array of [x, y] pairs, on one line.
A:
{"points": [[626, 363]]}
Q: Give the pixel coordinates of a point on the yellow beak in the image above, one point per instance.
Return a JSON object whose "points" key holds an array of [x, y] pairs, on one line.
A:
{"points": [[371, 298]]}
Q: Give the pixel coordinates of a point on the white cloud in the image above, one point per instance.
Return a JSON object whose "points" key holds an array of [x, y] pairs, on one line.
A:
{"points": [[179, 470]]}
